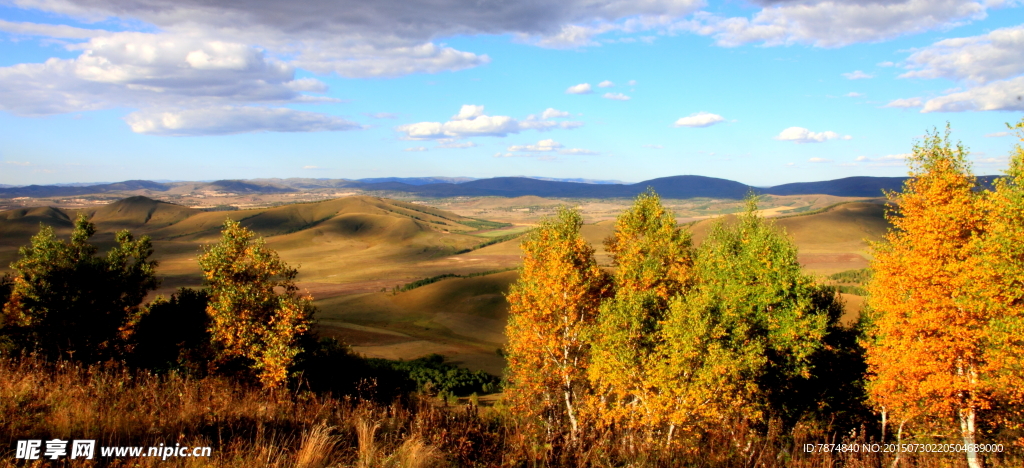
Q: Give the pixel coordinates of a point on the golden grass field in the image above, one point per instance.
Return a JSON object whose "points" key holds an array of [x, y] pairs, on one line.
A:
{"points": [[352, 251]]}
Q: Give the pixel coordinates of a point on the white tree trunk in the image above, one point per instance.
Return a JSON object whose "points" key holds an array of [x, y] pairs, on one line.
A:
{"points": [[967, 430]]}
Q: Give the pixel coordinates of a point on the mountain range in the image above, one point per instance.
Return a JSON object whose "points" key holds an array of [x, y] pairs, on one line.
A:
{"points": [[678, 187]]}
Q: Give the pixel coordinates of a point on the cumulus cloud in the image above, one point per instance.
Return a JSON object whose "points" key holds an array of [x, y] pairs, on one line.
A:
{"points": [[854, 94], [582, 88], [471, 121], [835, 23], [229, 119], [1005, 95], [469, 112], [803, 135], [991, 62], [819, 160], [149, 70], [551, 113], [616, 96], [857, 75], [978, 59], [700, 119], [416, 149], [905, 103], [605, 84]]}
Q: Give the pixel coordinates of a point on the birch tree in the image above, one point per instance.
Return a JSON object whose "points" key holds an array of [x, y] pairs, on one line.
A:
{"points": [[552, 305]]}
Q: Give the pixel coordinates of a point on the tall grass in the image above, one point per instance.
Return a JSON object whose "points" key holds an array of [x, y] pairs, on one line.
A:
{"points": [[255, 428]]}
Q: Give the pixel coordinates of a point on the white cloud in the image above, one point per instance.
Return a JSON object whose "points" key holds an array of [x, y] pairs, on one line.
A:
{"points": [[312, 168], [469, 112], [700, 119], [18, 163], [616, 96], [582, 88], [997, 134], [450, 143], [885, 64], [51, 30], [978, 59], [381, 115], [1005, 95], [546, 146], [654, 146], [605, 84], [905, 103], [857, 75], [885, 161], [835, 23], [147, 70], [416, 149], [791, 164], [551, 113], [471, 121], [819, 160], [631, 83], [577, 151], [854, 94], [229, 119], [543, 145], [803, 135]]}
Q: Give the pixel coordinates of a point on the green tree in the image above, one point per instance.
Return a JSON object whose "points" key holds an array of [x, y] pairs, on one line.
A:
{"points": [[68, 302], [654, 260], [744, 338], [1002, 278], [174, 333], [257, 318], [551, 307]]}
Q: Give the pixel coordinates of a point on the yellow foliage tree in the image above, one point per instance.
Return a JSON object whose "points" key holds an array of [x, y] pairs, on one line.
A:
{"points": [[654, 259], [552, 305], [256, 316], [926, 348]]}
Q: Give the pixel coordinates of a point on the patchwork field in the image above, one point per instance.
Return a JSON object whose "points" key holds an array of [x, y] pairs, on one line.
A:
{"points": [[354, 252]]}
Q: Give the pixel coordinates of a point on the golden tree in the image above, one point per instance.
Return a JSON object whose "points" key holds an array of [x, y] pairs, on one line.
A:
{"points": [[256, 316], [552, 304], [926, 348], [654, 259]]}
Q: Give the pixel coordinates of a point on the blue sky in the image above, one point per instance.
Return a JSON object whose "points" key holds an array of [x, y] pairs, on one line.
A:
{"points": [[764, 92]]}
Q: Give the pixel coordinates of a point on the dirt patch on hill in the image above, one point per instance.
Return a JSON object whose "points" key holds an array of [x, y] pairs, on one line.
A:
{"points": [[832, 262]]}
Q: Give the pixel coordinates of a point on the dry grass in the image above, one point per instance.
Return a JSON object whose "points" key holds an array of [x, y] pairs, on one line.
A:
{"points": [[253, 428]]}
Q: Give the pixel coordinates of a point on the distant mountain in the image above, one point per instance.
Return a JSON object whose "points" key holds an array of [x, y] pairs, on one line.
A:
{"points": [[853, 186], [678, 187], [418, 180], [580, 181]]}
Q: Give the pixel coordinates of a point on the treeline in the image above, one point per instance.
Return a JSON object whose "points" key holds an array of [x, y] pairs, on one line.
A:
{"points": [[66, 302], [682, 341]]}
